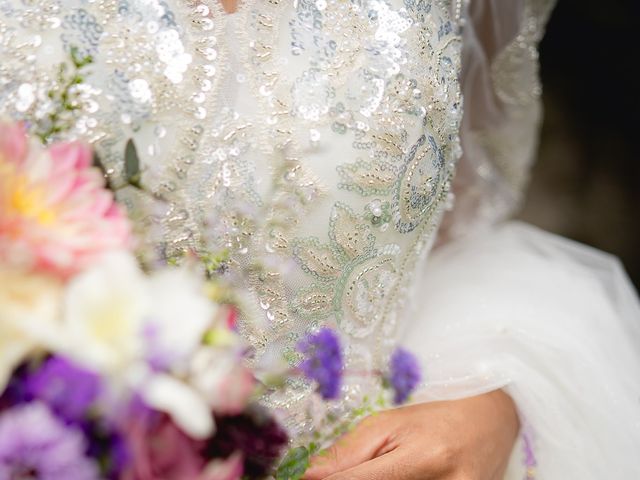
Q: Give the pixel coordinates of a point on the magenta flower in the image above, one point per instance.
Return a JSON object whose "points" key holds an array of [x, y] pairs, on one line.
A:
{"points": [[323, 361], [35, 444], [55, 213]]}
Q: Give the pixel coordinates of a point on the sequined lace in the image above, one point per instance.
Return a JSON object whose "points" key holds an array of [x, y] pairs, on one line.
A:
{"points": [[314, 140]]}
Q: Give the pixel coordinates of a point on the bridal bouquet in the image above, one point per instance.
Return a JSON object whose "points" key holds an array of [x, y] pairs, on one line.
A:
{"points": [[109, 369]]}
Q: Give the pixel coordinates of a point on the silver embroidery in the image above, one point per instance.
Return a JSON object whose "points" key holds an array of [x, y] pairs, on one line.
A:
{"points": [[314, 142]]}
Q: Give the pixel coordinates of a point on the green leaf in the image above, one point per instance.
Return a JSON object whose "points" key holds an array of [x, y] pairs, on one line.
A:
{"points": [[132, 164], [97, 163], [294, 464], [313, 448], [79, 61]]}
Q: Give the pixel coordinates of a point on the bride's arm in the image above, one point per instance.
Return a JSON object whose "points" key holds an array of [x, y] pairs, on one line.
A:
{"points": [[230, 6]]}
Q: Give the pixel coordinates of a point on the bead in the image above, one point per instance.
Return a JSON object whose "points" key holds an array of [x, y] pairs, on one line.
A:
{"points": [[255, 131]]}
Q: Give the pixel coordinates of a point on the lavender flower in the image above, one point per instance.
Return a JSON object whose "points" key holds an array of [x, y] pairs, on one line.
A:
{"points": [[404, 375], [70, 392], [66, 388], [35, 444], [323, 361]]}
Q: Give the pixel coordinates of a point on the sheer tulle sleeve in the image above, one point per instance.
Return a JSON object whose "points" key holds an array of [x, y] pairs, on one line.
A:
{"points": [[502, 109], [554, 323]]}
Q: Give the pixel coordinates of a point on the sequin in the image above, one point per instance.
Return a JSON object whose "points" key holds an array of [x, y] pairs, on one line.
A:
{"points": [[313, 140]]}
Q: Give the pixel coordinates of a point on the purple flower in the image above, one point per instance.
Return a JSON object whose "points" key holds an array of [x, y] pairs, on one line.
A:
{"points": [[35, 444], [15, 392], [66, 388], [404, 375], [108, 446], [323, 361]]}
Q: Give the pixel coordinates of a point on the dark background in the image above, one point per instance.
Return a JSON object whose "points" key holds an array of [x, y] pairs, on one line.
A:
{"points": [[586, 184]]}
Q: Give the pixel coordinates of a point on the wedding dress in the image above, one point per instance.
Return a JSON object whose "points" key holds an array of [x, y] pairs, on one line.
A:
{"points": [[315, 142]]}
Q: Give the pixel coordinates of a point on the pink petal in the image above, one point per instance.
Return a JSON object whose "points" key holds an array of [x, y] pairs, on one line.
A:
{"points": [[230, 469], [13, 142], [86, 220], [60, 188], [71, 155]]}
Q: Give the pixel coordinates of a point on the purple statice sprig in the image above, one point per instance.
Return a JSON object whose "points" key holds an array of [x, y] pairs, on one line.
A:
{"points": [[323, 361], [404, 375]]}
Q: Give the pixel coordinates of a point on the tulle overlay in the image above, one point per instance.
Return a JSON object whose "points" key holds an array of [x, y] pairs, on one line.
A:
{"points": [[553, 322]]}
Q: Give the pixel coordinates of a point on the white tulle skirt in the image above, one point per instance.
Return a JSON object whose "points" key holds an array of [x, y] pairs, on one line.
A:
{"points": [[554, 323]]}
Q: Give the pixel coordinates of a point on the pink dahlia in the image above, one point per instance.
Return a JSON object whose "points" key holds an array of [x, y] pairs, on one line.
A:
{"points": [[55, 212]]}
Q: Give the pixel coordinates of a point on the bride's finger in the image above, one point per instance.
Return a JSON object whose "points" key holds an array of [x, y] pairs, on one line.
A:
{"points": [[395, 465], [368, 440]]}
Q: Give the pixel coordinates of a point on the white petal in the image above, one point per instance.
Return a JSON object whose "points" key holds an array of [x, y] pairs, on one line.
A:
{"points": [[183, 404], [180, 311], [104, 309]]}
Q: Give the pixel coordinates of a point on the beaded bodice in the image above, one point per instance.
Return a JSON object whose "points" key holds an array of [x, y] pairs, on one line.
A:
{"points": [[313, 141]]}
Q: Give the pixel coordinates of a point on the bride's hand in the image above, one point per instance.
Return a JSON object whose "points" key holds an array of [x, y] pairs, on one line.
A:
{"points": [[469, 439]]}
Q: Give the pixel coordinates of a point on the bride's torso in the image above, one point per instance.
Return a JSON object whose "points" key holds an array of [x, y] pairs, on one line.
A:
{"points": [[312, 140]]}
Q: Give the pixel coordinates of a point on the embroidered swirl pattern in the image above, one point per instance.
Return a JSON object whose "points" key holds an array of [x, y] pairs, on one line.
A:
{"points": [[314, 140]]}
